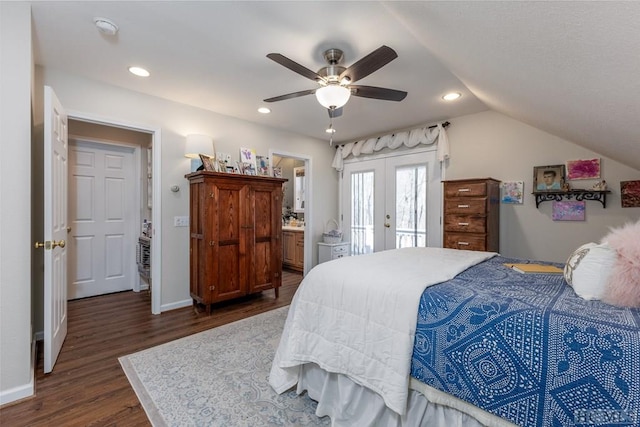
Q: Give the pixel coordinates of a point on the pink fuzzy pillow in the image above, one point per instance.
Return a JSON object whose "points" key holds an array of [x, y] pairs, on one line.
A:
{"points": [[623, 286]]}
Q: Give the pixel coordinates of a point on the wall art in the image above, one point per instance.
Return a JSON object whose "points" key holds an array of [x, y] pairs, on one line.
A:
{"points": [[568, 211], [512, 192], [548, 178], [630, 194], [583, 169]]}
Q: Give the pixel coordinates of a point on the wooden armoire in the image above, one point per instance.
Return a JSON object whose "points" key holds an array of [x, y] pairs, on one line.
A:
{"points": [[235, 236]]}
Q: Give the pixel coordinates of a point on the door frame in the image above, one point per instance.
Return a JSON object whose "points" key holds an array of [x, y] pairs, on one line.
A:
{"points": [[156, 205], [137, 172], [434, 185], [308, 202]]}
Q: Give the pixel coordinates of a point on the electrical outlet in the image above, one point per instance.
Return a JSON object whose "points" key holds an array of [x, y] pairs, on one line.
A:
{"points": [[180, 221]]}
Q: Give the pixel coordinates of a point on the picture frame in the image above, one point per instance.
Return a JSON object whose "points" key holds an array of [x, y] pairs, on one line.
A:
{"points": [[208, 163], [630, 194], [262, 165], [277, 172], [247, 168], [549, 178], [583, 169], [568, 211], [512, 192], [247, 155]]}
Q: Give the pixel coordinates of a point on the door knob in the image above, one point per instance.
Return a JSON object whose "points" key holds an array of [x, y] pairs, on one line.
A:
{"points": [[386, 224], [50, 245]]}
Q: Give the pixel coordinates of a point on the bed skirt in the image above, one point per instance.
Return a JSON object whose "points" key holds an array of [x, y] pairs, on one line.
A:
{"points": [[349, 404]]}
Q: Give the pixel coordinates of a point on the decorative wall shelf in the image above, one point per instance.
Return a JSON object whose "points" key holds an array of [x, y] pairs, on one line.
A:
{"points": [[580, 195]]}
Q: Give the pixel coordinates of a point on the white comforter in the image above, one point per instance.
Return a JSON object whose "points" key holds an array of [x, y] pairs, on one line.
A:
{"points": [[357, 316]]}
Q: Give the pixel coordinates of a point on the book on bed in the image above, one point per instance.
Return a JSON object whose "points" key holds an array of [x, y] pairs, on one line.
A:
{"points": [[535, 268]]}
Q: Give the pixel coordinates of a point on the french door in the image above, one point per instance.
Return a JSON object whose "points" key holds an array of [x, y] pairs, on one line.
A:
{"points": [[392, 202]]}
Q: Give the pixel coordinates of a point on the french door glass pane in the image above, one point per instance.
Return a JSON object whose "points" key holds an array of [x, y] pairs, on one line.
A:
{"points": [[411, 206], [362, 199]]}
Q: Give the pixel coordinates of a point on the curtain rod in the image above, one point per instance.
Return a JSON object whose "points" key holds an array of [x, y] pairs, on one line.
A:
{"points": [[444, 125]]}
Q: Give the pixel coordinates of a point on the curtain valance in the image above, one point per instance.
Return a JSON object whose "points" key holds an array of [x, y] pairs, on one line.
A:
{"points": [[424, 135]]}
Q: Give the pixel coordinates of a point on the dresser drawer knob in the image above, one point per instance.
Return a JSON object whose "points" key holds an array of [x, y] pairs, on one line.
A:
{"points": [[464, 190], [463, 244], [463, 206], [464, 224]]}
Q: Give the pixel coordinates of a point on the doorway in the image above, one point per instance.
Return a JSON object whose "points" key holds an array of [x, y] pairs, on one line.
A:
{"points": [[119, 137], [392, 201], [301, 200]]}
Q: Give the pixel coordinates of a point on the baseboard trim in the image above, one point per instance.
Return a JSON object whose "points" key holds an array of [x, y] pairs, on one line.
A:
{"points": [[176, 305], [22, 391]]}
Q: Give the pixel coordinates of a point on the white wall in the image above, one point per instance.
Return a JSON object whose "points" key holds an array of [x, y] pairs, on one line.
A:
{"points": [[176, 121], [16, 370], [492, 145]]}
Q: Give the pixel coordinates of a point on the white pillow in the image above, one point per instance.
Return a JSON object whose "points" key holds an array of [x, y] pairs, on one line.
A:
{"points": [[588, 269]]}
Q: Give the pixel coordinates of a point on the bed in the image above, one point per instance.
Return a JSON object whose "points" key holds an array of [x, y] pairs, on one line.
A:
{"points": [[432, 336]]}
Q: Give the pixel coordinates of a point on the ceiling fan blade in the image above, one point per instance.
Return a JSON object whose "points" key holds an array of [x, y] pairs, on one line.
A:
{"points": [[377, 93], [294, 66], [335, 112], [290, 95], [370, 63]]}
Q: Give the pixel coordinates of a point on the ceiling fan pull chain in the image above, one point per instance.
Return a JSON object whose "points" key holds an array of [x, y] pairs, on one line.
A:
{"points": [[331, 131]]}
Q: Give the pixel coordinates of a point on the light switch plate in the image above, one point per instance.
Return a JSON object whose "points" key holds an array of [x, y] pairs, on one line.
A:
{"points": [[180, 221]]}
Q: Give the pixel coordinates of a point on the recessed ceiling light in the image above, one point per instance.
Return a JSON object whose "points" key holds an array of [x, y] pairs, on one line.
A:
{"points": [[139, 71], [330, 130], [264, 110], [452, 96]]}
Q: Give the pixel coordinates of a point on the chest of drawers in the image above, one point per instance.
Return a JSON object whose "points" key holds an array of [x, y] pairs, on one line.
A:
{"points": [[472, 214], [329, 251]]}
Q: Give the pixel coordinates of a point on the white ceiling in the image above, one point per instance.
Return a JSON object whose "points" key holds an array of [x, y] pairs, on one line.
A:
{"points": [[569, 68]]}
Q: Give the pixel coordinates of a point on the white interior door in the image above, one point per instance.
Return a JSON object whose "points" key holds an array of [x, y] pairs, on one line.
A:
{"points": [[392, 202], [101, 215], [55, 227]]}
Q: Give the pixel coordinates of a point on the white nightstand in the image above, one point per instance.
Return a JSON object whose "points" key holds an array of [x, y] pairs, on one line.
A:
{"points": [[329, 251]]}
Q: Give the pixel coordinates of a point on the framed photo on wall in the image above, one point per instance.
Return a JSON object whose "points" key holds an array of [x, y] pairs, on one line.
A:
{"points": [[548, 178]]}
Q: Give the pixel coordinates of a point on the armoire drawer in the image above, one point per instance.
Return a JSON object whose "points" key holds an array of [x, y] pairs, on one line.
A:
{"points": [[465, 189], [465, 206], [465, 223], [467, 241]]}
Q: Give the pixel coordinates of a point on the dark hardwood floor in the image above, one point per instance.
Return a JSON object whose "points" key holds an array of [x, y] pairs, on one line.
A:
{"points": [[88, 386]]}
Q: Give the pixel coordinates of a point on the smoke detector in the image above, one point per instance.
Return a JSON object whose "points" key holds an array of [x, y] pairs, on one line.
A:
{"points": [[106, 26]]}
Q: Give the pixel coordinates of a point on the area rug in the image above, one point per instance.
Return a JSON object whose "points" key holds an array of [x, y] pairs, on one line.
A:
{"points": [[218, 378]]}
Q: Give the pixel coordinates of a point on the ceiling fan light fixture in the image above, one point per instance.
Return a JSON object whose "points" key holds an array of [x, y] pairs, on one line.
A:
{"points": [[264, 110], [333, 96]]}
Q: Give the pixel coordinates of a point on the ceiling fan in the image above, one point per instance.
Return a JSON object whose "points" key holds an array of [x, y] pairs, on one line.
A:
{"points": [[336, 81]]}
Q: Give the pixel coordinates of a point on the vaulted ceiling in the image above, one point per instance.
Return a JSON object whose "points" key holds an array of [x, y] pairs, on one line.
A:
{"points": [[569, 68]]}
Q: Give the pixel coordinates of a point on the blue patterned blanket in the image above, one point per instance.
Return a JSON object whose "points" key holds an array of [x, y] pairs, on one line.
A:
{"points": [[526, 348]]}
